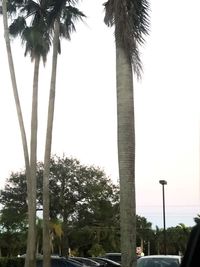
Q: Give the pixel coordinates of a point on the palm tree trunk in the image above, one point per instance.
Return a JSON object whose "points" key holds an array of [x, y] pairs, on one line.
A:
{"points": [[15, 90], [31, 245], [47, 157], [20, 120], [126, 156]]}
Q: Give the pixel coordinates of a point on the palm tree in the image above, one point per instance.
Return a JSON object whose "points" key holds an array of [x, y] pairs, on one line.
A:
{"points": [[143, 230], [14, 85], [63, 17], [1, 11], [130, 18], [15, 92], [36, 38]]}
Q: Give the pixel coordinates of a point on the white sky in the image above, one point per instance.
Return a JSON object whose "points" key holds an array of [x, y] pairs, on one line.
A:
{"points": [[166, 106]]}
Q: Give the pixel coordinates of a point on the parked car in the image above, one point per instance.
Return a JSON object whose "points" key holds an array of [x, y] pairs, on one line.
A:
{"points": [[114, 256], [86, 261], [159, 261], [106, 262], [74, 262], [57, 261]]}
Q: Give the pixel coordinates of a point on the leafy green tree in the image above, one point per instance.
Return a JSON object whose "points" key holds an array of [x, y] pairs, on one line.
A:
{"points": [[177, 238], [130, 18], [12, 243], [79, 195], [80, 192]]}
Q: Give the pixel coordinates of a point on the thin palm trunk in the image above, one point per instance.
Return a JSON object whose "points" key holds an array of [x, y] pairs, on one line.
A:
{"points": [[46, 234], [15, 89], [30, 173], [126, 156], [31, 245]]}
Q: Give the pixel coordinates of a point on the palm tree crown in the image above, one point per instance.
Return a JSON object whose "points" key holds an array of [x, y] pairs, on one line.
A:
{"points": [[32, 27], [67, 14], [35, 23], [131, 21]]}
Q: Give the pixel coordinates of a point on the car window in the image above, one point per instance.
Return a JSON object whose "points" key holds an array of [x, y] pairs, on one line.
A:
{"points": [[57, 263], [116, 258], [157, 262]]}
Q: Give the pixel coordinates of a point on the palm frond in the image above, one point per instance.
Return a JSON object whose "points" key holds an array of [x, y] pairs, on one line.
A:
{"points": [[13, 6], [131, 21], [109, 13], [31, 7], [35, 23], [17, 26], [37, 42], [69, 17]]}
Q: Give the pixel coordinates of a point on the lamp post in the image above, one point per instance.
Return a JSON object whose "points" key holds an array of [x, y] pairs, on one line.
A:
{"points": [[163, 183]]}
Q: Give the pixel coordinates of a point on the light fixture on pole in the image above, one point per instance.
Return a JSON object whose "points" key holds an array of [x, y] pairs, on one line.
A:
{"points": [[163, 183]]}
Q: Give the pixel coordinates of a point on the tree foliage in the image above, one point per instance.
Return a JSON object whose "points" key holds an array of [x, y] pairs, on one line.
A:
{"points": [[92, 221], [79, 196], [131, 21]]}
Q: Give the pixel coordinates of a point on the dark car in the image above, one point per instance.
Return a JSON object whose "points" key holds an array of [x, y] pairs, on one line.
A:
{"points": [[60, 262], [86, 261], [56, 261], [114, 256], [106, 262]]}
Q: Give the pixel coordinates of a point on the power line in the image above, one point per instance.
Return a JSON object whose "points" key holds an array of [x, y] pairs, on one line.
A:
{"points": [[172, 206]]}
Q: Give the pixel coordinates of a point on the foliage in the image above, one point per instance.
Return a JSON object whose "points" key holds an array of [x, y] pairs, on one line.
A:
{"points": [[12, 243], [13, 199], [96, 250], [131, 21], [79, 196], [35, 23], [177, 238], [37, 33], [14, 262], [88, 202]]}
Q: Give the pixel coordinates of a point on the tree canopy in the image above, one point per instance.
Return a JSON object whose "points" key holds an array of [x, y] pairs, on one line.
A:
{"points": [[79, 196]]}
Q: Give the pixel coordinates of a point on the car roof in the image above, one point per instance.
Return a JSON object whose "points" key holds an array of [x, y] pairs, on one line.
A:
{"points": [[177, 258], [60, 262], [87, 261], [108, 260], [113, 253], [161, 256]]}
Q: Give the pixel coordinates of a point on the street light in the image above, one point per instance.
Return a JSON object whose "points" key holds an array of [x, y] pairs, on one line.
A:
{"points": [[163, 183]]}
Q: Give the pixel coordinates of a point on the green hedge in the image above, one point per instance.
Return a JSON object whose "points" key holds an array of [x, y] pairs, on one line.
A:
{"points": [[12, 262]]}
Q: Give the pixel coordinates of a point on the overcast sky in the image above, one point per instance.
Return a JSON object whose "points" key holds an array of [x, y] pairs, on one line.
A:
{"points": [[167, 110]]}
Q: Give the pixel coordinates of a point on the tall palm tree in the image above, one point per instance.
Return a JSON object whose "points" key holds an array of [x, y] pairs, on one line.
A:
{"points": [[37, 43], [15, 92], [63, 17], [60, 21], [14, 85], [130, 18]]}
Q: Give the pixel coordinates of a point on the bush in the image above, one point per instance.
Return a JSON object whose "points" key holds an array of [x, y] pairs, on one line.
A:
{"points": [[12, 262]]}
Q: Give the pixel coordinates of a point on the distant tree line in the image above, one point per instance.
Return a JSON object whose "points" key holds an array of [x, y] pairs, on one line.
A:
{"points": [[84, 214]]}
